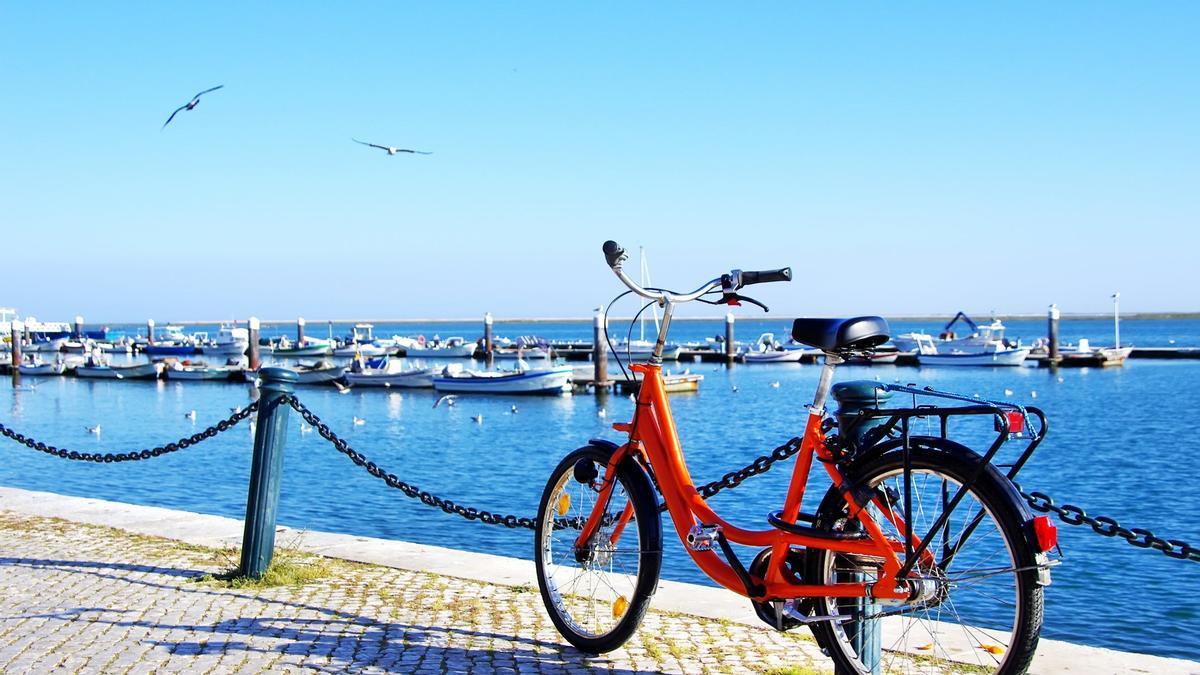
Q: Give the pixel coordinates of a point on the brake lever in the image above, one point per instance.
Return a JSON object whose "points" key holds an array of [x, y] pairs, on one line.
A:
{"points": [[736, 300]]}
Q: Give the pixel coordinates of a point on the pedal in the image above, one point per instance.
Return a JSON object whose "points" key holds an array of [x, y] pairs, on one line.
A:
{"points": [[703, 537]]}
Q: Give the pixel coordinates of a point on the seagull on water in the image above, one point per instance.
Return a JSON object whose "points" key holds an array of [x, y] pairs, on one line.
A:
{"points": [[358, 421], [477, 419], [514, 410], [342, 389], [1008, 392], [448, 398], [390, 150], [191, 415], [190, 104], [304, 428], [775, 384], [94, 430], [602, 413]]}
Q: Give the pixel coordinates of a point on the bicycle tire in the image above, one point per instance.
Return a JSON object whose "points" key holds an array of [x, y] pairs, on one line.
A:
{"points": [[575, 583], [972, 634]]}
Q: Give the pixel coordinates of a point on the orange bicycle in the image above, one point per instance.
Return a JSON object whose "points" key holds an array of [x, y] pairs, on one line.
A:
{"points": [[921, 555]]}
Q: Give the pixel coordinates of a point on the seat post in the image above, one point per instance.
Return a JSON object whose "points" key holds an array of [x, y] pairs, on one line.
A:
{"points": [[831, 361]]}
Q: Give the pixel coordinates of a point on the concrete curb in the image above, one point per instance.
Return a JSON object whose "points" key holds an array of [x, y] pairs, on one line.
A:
{"points": [[1053, 656]]}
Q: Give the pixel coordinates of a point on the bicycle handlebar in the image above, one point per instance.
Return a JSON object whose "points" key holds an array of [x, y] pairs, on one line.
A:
{"points": [[615, 255]]}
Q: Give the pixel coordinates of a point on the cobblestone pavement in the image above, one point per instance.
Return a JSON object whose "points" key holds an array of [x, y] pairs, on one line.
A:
{"points": [[83, 598]]}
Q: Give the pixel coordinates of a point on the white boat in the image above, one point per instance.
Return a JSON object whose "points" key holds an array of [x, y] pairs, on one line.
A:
{"points": [[452, 347], [767, 350], [996, 353], [321, 372], [230, 341], [362, 342], [287, 349], [458, 380], [978, 339], [101, 370], [35, 366], [641, 350], [387, 373], [526, 353], [183, 370]]}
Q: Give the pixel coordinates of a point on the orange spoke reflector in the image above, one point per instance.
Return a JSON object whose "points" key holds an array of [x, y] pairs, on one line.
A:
{"points": [[926, 648], [564, 504], [619, 607], [992, 649]]}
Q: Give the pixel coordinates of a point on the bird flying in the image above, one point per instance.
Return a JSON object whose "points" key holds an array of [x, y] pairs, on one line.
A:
{"points": [[190, 104], [390, 150]]}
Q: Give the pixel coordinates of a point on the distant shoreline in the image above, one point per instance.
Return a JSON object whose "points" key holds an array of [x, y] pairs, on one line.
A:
{"points": [[1140, 316]]}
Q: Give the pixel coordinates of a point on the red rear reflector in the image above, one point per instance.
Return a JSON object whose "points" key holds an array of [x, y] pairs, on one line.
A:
{"points": [[1045, 532], [1016, 422]]}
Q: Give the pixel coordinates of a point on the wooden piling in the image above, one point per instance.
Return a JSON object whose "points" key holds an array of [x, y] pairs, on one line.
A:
{"points": [[599, 353], [150, 331], [17, 335], [1052, 334], [299, 331], [253, 349], [730, 351]]}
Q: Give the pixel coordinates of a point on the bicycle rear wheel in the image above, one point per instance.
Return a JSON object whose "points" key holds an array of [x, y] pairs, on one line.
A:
{"points": [[597, 594], [977, 602]]}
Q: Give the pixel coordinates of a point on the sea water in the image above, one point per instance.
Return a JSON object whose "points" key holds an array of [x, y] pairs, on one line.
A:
{"points": [[1121, 443]]}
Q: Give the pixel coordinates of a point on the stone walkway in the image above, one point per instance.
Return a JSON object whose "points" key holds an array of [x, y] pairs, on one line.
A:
{"points": [[87, 598]]}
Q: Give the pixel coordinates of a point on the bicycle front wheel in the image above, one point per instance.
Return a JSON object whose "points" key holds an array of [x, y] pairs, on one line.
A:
{"points": [[597, 593], [975, 600]]}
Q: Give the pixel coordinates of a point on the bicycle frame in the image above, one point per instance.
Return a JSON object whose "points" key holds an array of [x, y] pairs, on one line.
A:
{"points": [[653, 440]]}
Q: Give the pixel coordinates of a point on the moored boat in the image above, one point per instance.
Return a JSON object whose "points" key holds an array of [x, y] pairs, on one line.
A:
{"points": [[384, 372], [184, 370], [994, 353], [552, 380], [286, 349], [36, 366], [767, 350], [452, 347], [102, 370]]}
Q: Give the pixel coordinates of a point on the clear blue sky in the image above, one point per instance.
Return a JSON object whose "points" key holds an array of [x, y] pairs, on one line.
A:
{"points": [[902, 158]]}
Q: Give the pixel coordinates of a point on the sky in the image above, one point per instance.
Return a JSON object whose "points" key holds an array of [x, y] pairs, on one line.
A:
{"points": [[906, 158]]}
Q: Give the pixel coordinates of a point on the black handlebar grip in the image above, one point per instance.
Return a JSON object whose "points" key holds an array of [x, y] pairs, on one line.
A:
{"points": [[784, 274], [613, 252]]}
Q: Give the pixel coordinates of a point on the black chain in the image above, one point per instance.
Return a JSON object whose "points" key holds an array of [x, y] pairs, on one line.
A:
{"points": [[409, 490], [1109, 527], [759, 466], [108, 458]]}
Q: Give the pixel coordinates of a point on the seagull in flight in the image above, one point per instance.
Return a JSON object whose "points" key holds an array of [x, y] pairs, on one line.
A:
{"points": [[390, 150], [190, 104]]}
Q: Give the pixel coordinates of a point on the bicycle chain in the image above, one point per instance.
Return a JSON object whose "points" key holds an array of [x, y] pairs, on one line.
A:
{"points": [[393, 481], [1138, 537], [136, 455]]}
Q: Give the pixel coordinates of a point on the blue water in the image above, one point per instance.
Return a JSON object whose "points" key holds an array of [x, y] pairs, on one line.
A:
{"points": [[1120, 444]]}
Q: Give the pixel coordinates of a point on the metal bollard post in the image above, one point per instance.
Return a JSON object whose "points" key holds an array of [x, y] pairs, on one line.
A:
{"points": [[300, 323], [730, 351], [487, 337], [266, 470], [599, 353], [1052, 334], [150, 331], [15, 338], [77, 329], [252, 332]]}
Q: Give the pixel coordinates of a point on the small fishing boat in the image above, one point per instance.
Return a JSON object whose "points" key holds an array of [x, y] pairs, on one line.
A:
{"points": [[34, 365], [456, 379], [452, 347], [321, 372], [101, 369], [195, 370], [383, 372], [995, 353], [230, 341], [767, 350], [286, 349], [641, 350]]}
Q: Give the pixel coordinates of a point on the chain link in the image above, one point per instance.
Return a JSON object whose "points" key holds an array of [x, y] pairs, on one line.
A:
{"points": [[108, 458], [409, 490], [1109, 527]]}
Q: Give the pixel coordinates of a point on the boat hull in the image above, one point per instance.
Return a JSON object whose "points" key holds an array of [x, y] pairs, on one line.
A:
{"points": [[144, 371], [43, 369], [168, 350], [320, 375], [548, 381], [781, 356], [464, 351], [199, 373], [413, 379], [294, 352], [1012, 357], [232, 349]]}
